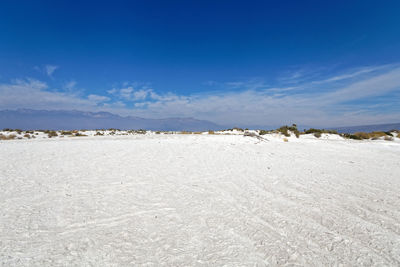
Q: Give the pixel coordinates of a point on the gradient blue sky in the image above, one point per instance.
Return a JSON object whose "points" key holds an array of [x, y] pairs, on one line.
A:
{"points": [[245, 63]]}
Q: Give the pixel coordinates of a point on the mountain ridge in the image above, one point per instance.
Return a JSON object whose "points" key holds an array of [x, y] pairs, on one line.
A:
{"points": [[29, 119]]}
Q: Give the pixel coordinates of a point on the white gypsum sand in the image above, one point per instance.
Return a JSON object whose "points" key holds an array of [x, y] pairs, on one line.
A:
{"points": [[185, 200]]}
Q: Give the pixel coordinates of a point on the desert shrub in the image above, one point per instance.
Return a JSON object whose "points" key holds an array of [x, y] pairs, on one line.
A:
{"points": [[196, 132], [362, 135], [350, 136], [388, 138], [19, 131], [29, 132], [285, 130], [140, 131], [285, 140], [80, 134], [186, 132], [99, 133], [211, 132], [317, 134], [66, 133], [388, 133], [27, 135], [379, 134], [313, 130], [158, 132], [251, 134], [7, 137], [376, 135], [238, 129], [51, 134], [263, 132]]}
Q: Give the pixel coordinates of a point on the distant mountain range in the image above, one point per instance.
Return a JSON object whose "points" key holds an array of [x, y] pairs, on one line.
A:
{"points": [[28, 119], [368, 128]]}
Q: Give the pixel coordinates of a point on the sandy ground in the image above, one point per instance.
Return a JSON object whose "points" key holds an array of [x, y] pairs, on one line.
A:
{"points": [[199, 200]]}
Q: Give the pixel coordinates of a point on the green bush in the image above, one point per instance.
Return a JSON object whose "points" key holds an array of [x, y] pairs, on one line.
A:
{"points": [[350, 136], [285, 130], [51, 134], [313, 130], [66, 133], [238, 129]]}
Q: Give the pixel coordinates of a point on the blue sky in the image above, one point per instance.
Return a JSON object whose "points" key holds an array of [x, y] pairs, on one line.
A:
{"points": [[232, 62]]}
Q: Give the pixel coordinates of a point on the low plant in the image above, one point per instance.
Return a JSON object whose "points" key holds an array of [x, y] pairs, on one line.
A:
{"points": [[388, 138], [362, 135], [238, 129], [51, 134], [313, 130], [285, 130], [66, 133], [140, 131], [317, 134], [7, 137], [263, 132], [350, 136], [211, 132]]}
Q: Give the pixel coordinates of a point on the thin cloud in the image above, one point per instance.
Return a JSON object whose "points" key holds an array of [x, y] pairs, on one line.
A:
{"points": [[47, 69], [50, 69]]}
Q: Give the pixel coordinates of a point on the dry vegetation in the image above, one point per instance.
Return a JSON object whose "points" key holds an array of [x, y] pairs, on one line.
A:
{"points": [[286, 131], [7, 137]]}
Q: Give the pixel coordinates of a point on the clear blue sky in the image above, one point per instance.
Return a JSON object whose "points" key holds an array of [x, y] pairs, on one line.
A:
{"points": [[251, 62]]}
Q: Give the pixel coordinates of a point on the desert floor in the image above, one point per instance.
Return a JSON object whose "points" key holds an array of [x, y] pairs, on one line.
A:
{"points": [[199, 200]]}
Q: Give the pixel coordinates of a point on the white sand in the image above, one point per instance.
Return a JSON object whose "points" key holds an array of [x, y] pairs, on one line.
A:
{"points": [[203, 200]]}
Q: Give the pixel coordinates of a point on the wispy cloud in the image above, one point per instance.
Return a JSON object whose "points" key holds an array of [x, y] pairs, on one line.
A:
{"points": [[133, 92], [47, 69], [50, 69]]}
